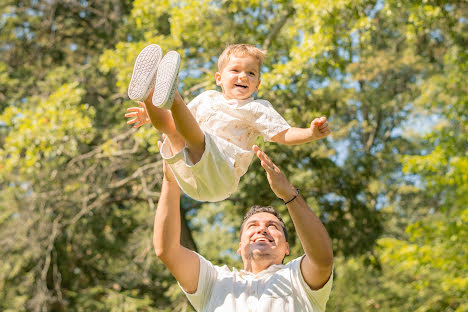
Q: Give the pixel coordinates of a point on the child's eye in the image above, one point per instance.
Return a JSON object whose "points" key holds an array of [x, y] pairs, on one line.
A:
{"points": [[252, 73]]}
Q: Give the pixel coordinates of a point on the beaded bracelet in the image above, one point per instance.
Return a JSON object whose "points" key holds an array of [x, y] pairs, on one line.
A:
{"points": [[295, 196]]}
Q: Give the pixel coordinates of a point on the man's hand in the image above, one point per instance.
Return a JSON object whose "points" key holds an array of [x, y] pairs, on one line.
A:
{"points": [[279, 184], [319, 128], [140, 114]]}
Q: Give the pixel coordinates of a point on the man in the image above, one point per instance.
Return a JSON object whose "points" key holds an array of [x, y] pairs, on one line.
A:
{"points": [[265, 284]]}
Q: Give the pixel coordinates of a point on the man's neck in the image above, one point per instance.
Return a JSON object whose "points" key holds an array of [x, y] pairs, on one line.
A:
{"points": [[257, 266]]}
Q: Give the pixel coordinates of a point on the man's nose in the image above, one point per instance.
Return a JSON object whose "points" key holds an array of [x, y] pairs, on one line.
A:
{"points": [[262, 229]]}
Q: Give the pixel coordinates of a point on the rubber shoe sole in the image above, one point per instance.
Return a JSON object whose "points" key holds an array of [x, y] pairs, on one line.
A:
{"points": [[144, 72], [166, 80]]}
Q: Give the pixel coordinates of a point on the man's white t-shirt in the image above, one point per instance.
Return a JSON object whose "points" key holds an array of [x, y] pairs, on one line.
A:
{"points": [[280, 288]]}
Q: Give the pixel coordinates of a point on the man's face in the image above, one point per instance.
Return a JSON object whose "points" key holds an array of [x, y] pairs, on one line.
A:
{"points": [[263, 238], [240, 78]]}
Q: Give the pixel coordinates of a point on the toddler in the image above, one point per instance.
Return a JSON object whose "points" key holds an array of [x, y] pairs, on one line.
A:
{"points": [[208, 143]]}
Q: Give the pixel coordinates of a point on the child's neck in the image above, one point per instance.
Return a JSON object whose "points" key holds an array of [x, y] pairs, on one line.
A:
{"points": [[236, 99]]}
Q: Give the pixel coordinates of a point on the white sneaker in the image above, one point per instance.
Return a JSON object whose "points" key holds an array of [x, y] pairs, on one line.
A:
{"points": [[144, 72], [165, 86]]}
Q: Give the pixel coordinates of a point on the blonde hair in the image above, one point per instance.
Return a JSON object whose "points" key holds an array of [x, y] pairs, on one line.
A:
{"points": [[240, 50]]}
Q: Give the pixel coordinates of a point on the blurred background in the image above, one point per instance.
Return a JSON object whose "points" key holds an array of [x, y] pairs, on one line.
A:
{"points": [[78, 186]]}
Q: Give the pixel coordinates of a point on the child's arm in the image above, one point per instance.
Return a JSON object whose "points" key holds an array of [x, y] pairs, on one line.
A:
{"points": [[294, 136], [140, 114]]}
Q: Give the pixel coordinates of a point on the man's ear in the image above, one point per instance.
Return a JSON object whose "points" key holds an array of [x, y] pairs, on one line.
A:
{"points": [[239, 249], [218, 78], [287, 249]]}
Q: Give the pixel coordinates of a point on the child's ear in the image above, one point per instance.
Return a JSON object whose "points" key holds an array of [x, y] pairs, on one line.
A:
{"points": [[258, 84], [218, 78]]}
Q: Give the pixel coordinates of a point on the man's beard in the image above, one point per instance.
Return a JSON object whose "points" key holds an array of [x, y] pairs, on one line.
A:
{"points": [[257, 254]]}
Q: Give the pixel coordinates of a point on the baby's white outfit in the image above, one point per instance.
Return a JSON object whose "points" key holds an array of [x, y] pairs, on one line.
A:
{"points": [[231, 128]]}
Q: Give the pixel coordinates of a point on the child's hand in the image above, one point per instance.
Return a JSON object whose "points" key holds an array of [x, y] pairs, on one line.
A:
{"points": [[140, 114], [319, 128]]}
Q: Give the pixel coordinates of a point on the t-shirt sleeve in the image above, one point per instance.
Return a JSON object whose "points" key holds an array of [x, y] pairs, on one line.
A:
{"points": [[268, 121], [206, 280], [318, 297]]}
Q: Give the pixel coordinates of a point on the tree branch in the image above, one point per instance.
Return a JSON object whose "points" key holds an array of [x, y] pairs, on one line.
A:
{"points": [[277, 28], [373, 135]]}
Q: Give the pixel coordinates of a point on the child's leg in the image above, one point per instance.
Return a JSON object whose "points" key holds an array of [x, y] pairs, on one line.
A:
{"points": [[179, 125], [188, 128], [165, 96], [144, 78], [163, 121]]}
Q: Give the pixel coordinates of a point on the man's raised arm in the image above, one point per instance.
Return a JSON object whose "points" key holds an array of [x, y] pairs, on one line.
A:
{"points": [[183, 263], [317, 265]]}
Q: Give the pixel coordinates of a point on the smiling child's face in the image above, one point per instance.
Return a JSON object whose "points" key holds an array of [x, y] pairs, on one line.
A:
{"points": [[240, 78]]}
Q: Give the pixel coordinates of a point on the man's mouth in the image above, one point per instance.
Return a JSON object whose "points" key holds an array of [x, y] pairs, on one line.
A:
{"points": [[262, 239]]}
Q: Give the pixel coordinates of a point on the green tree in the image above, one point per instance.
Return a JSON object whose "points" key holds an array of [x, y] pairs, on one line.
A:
{"points": [[72, 185], [423, 268], [78, 188]]}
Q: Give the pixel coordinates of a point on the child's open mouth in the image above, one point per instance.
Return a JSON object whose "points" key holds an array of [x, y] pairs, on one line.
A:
{"points": [[241, 86]]}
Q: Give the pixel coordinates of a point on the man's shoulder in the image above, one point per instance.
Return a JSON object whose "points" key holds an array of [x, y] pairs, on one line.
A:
{"points": [[294, 262], [292, 265], [220, 269]]}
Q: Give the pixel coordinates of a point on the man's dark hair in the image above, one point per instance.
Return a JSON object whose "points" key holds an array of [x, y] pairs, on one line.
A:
{"points": [[257, 209]]}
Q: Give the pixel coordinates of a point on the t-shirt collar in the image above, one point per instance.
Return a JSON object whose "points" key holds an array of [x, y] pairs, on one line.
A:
{"points": [[271, 269]]}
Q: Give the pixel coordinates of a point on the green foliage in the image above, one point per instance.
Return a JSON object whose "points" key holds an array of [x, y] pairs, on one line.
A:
{"points": [[210, 219], [433, 261], [78, 190], [447, 144], [424, 268], [50, 132], [425, 272]]}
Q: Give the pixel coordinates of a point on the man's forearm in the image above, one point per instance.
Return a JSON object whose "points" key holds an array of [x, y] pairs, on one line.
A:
{"points": [[311, 232], [167, 220]]}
